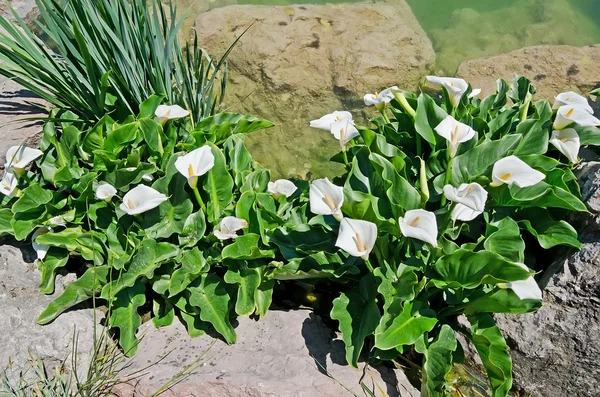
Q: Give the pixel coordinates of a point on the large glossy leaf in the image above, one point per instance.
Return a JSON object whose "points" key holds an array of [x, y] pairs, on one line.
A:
{"points": [[117, 139], [428, 116], [246, 247], [502, 301], [358, 315], [6, 216], [193, 265], [124, 315], [540, 195], [34, 196], [88, 285], [55, 259], [438, 362], [492, 349], [221, 126], [414, 320], [506, 241], [548, 231], [248, 280], [219, 186], [467, 269]]}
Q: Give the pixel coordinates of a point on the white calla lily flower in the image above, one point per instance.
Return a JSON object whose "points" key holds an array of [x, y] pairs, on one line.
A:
{"points": [[456, 87], [573, 99], [419, 224], [140, 199], [524, 289], [511, 170], [40, 249], [326, 198], [343, 130], [228, 227], [281, 187], [8, 184], [357, 237], [165, 113], [147, 177], [105, 191], [470, 199], [324, 123], [196, 163], [380, 98], [569, 114], [454, 132], [567, 142], [19, 157]]}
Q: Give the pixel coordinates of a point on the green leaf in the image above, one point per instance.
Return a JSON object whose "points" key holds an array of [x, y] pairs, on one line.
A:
{"points": [[193, 265], [438, 362], [540, 195], [88, 285], [6, 216], [428, 116], [121, 137], [246, 247], [124, 315], [212, 299], [467, 269], [148, 107], [549, 232], [193, 229], [507, 241], [219, 185], [221, 126], [492, 349], [55, 259], [357, 312], [502, 301], [33, 198], [263, 296], [248, 281], [407, 327], [164, 313], [152, 132]]}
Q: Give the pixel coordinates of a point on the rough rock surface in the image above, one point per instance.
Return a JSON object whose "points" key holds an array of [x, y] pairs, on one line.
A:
{"points": [[299, 62], [555, 351], [552, 69], [23, 8], [285, 354], [21, 303]]}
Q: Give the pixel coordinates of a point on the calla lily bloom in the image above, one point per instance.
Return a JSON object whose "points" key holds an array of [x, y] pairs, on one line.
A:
{"points": [[105, 191], [8, 184], [281, 187], [454, 132], [456, 87], [569, 114], [196, 163], [140, 199], [470, 199], [19, 157], [573, 99], [324, 123], [147, 177], [524, 289], [326, 198], [40, 249], [379, 99], [229, 226], [567, 142], [165, 113], [419, 224], [357, 237], [511, 170], [343, 130]]}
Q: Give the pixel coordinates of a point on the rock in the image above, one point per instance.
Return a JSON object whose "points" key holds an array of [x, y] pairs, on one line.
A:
{"points": [[552, 69], [297, 63], [18, 103], [21, 303], [555, 350], [22, 7], [285, 354]]}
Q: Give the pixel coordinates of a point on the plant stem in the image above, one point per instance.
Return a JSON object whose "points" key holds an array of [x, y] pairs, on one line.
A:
{"points": [[447, 176], [399, 95], [199, 199], [385, 116], [368, 262], [525, 108], [345, 156]]}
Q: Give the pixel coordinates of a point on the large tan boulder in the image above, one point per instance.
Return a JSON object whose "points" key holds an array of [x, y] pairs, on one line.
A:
{"points": [[552, 69], [299, 62]]}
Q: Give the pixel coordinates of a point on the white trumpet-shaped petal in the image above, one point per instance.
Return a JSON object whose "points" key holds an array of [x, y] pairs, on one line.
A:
{"points": [[470, 199], [40, 249], [378, 98], [164, 113], [19, 157], [357, 237], [282, 187], [569, 114], [326, 198], [419, 224], [140, 199], [8, 184], [228, 227], [343, 130], [463, 213], [454, 132], [324, 123], [512, 169], [524, 289], [454, 86], [573, 99], [567, 142], [196, 163], [105, 191]]}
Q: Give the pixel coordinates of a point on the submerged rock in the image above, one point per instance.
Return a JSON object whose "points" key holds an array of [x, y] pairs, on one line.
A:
{"points": [[284, 354], [299, 62], [552, 69], [555, 351]]}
